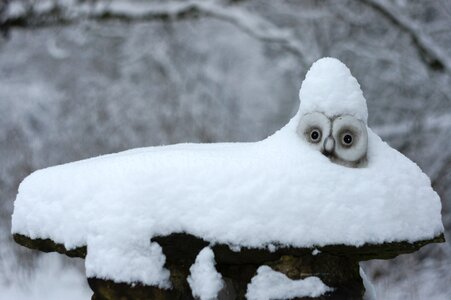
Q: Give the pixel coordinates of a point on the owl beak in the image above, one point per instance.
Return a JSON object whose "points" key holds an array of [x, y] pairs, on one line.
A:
{"points": [[329, 145]]}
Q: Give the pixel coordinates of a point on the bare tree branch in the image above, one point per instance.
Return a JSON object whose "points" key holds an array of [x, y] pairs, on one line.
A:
{"points": [[51, 13], [432, 53]]}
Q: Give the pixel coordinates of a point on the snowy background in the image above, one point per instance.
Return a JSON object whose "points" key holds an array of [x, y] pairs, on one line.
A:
{"points": [[84, 78]]}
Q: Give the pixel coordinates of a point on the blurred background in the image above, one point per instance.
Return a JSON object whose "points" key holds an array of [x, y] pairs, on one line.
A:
{"points": [[85, 78]]}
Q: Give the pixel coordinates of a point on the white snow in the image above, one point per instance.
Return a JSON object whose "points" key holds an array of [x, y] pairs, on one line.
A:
{"points": [[135, 260], [316, 252], [204, 280], [330, 88], [278, 191], [269, 284]]}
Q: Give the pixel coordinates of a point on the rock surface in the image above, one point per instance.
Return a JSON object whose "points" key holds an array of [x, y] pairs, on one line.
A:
{"points": [[336, 265]]}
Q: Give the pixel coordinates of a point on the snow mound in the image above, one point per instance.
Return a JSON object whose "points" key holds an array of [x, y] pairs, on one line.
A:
{"points": [[205, 281], [269, 284], [275, 192], [330, 88]]}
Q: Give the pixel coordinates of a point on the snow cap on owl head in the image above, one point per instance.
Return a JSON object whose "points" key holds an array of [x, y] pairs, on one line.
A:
{"points": [[330, 88]]}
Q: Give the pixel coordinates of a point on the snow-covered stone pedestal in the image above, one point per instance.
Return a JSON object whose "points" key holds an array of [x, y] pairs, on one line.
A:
{"points": [[336, 265], [287, 217]]}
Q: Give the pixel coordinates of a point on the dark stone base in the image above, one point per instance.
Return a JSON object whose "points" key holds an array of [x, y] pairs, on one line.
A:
{"points": [[339, 272], [109, 290], [336, 265]]}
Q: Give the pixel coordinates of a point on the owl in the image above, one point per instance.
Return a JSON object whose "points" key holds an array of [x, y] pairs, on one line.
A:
{"points": [[343, 138]]}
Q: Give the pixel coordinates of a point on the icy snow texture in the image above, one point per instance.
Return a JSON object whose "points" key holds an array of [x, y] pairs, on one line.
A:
{"points": [[277, 191], [330, 88], [269, 284], [204, 280]]}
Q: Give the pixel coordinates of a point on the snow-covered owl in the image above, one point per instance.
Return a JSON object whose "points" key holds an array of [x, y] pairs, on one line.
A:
{"points": [[269, 193], [333, 117], [344, 138]]}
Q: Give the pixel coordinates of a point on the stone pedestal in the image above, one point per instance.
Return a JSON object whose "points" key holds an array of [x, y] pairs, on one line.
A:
{"points": [[336, 265]]}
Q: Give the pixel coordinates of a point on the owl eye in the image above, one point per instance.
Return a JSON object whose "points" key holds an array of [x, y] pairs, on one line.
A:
{"points": [[315, 135], [347, 139]]}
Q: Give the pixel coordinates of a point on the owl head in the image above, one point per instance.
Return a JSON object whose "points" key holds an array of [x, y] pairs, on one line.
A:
{"points": [[343, 138], [333, 113]]}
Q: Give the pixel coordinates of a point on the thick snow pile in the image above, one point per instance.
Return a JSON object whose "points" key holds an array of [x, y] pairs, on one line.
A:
{"points": [[204, 280], [330, 88], [278, 191], [269, 284]]}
